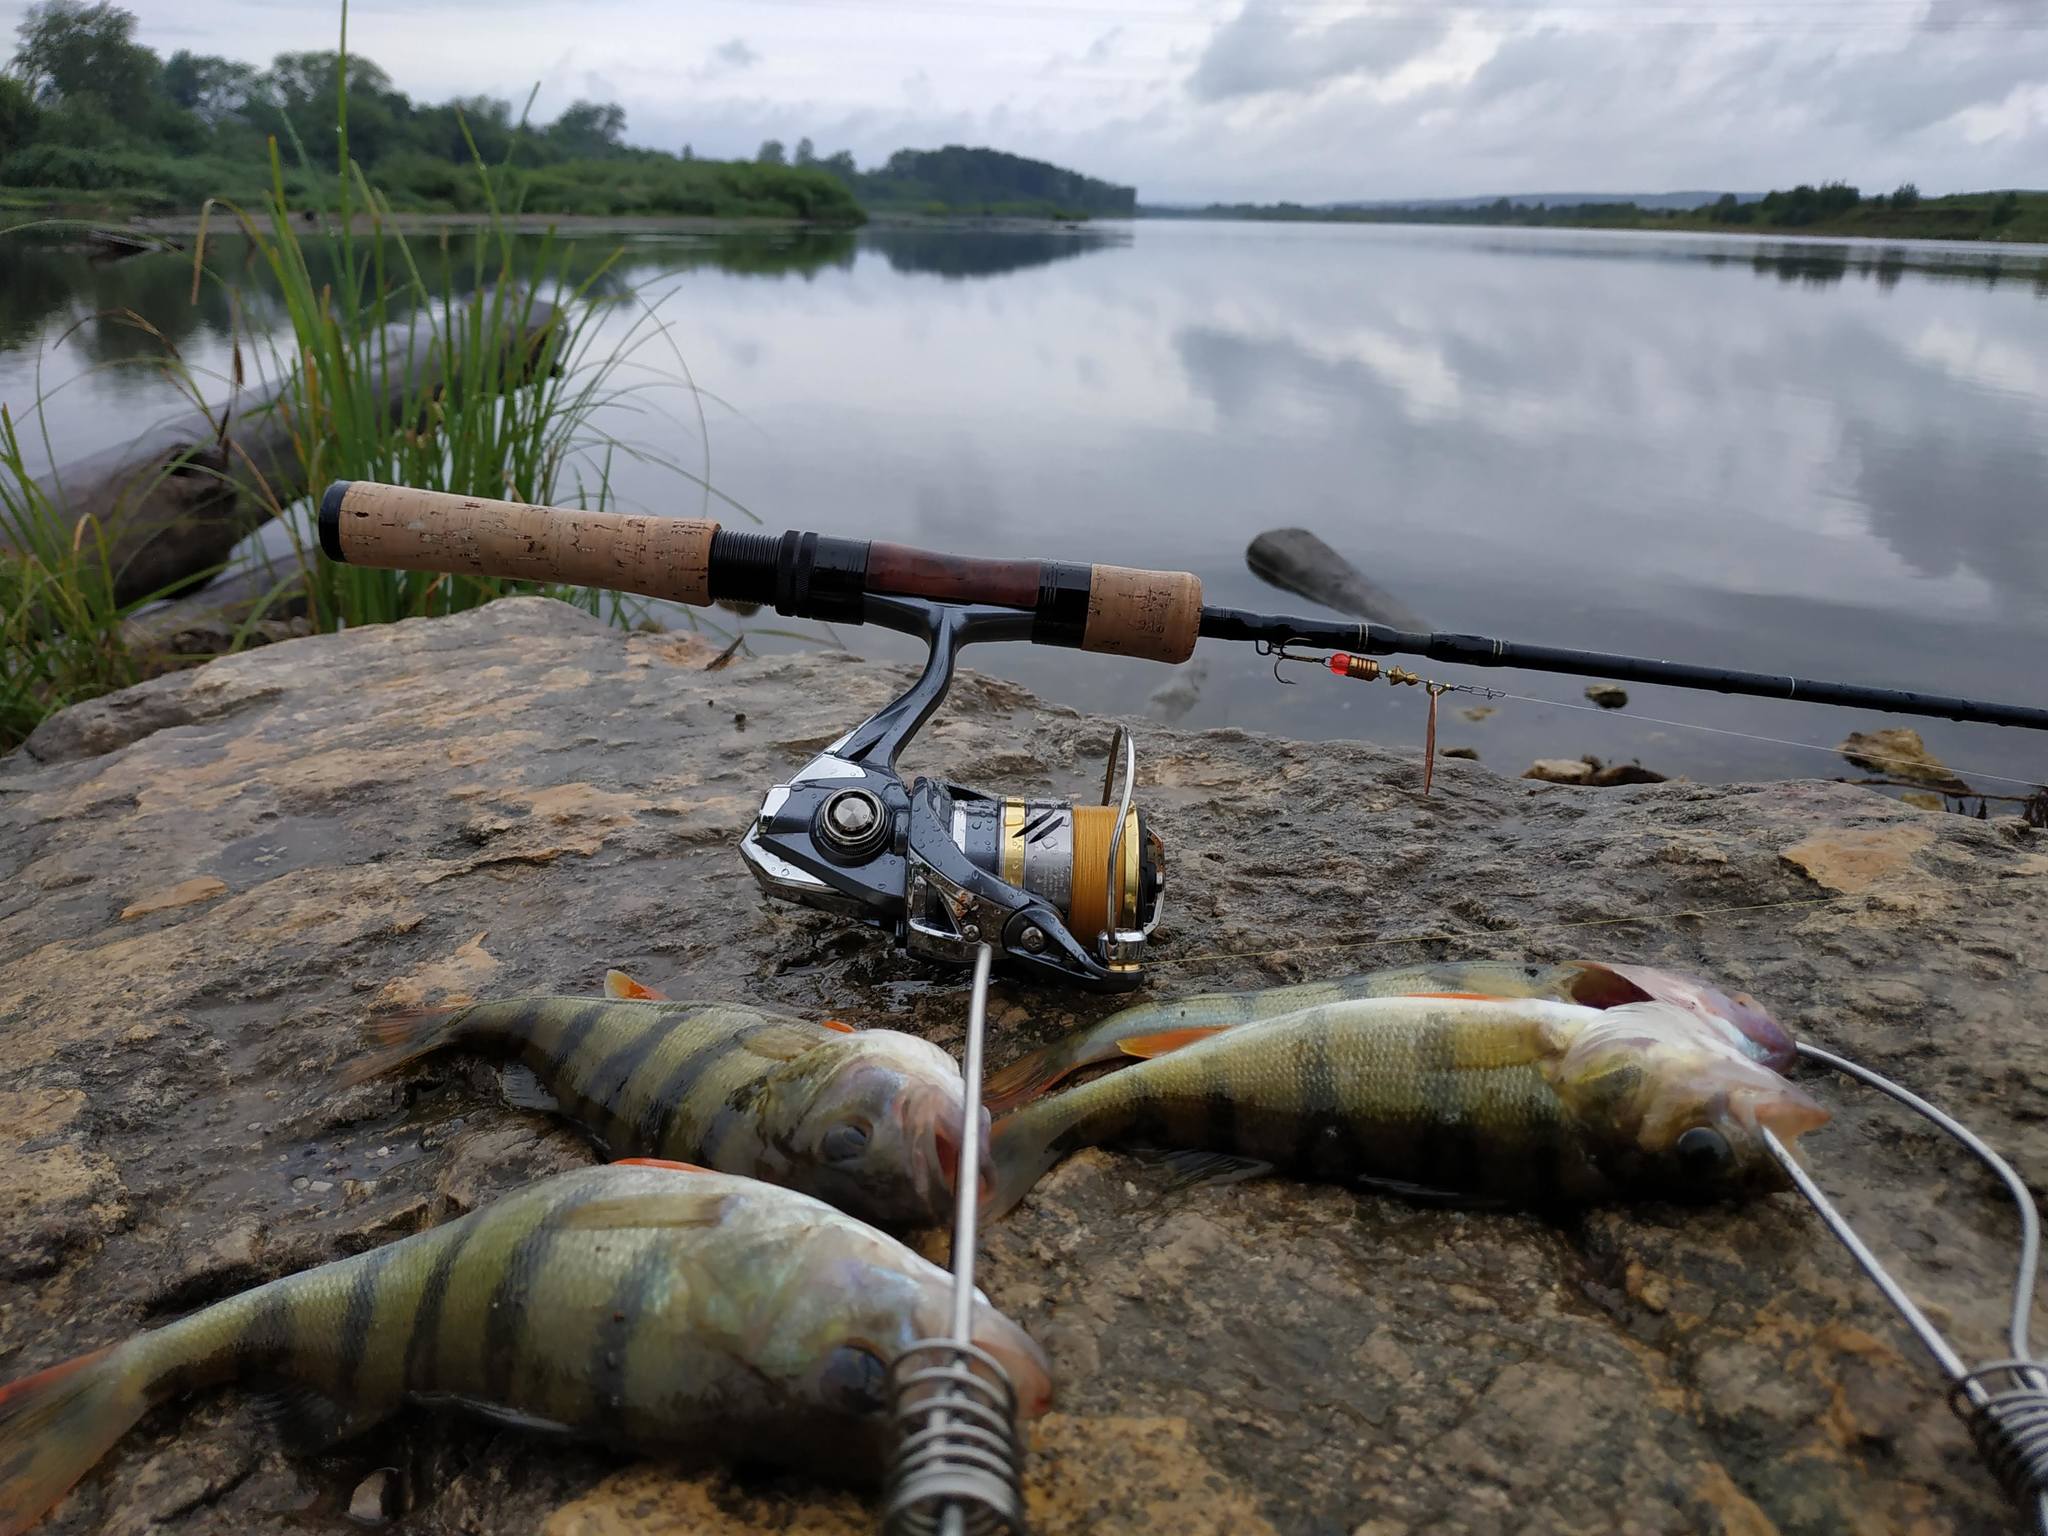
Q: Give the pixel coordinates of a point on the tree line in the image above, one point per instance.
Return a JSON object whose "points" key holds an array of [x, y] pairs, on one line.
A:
{"points": [[959, 179], [84, 106]]}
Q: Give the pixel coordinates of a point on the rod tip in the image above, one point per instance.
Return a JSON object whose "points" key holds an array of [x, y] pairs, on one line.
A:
{"points": [[330, 519]]}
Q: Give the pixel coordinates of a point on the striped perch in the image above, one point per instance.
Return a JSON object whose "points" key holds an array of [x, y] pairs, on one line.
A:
{"points": [[1501, 1100], [868, 1120], [1591, 983], [660, 1308]]}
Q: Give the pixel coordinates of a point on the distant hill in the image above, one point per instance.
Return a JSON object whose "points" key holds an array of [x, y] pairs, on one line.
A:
{"points": [[957, 179]]}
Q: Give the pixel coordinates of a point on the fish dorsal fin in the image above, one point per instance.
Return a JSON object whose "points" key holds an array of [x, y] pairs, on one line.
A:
{"points": [[1144, 1047], [619, 984]]}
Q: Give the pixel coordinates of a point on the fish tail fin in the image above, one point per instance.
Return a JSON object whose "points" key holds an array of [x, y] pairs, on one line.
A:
{"points": [[400, 1038], [1022, 1147], [55, 1424]]}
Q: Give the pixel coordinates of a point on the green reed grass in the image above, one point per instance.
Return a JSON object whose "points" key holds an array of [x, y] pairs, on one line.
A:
{"points": [[60, 624], [477, 366]]}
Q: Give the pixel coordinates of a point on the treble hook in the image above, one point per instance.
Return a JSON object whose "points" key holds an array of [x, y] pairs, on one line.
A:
{"points": [[1279, 652]]}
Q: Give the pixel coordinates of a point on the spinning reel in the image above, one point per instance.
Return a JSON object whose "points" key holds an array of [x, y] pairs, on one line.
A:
{"points": [[1054, 885], [1066, 889]]}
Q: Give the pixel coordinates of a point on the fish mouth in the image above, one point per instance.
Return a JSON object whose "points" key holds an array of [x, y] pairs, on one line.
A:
{"points": [[1022, 1360], [939, 1164]]}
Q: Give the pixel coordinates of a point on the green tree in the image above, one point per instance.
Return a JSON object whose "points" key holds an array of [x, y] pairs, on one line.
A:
{"points": [[19, 114], [69, 49], [805, 153], [770, 153], [840, 165], [211, 88], [296, 99], [1908, 196], [2005, 210], [590, 130]]}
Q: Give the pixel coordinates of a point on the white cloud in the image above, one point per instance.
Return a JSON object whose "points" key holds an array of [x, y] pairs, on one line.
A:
{"points": [[1304, 99]]}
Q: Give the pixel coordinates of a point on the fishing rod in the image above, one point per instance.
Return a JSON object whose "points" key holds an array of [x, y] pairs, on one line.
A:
{"points": [[1109, 608], [1069, 889]]}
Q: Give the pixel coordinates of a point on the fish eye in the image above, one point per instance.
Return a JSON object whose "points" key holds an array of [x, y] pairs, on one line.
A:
{"points": [[854, 1381], [1703, 1152], [844, 1142]]}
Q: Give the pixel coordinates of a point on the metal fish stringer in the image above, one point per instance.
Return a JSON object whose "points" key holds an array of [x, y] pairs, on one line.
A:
{"points": [[2003, 1402], [959, 1462]]}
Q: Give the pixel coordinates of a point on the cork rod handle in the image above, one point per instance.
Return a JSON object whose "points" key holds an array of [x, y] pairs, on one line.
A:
{"points": [[400, 528], [1111, 608]]}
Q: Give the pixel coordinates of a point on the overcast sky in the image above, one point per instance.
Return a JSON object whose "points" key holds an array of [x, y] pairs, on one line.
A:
{"points": [[1309, 99]]}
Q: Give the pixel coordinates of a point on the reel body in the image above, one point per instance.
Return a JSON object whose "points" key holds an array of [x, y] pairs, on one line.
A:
{"points": [[1070, 889]]}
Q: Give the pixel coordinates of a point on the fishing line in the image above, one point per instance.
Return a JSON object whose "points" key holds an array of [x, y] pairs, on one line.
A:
{"points": [[1506, 934], [1722, 730]]}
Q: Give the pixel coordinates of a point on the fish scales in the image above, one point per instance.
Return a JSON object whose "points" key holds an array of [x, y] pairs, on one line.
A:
{"points": [[867, 1119], [1593, 984], [1529, 1100], [656, 1308], [1416, 1105]]}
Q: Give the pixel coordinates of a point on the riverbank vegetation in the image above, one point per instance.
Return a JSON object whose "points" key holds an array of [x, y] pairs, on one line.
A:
{"points": [[1832, 208], [91, 120], [388, 363]]}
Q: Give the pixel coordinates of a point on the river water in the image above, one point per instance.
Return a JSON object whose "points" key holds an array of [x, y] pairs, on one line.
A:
{"points": [[1787, 456]]}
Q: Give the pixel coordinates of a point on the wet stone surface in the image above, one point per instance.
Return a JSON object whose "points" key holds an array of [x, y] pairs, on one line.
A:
{"points": [[207, 882]]}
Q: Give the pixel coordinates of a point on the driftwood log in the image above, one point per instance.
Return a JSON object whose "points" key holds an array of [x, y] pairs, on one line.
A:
{"points": [[174, 501]]}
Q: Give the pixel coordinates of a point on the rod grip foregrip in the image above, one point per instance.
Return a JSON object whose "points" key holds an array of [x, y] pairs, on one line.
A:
{"points": [[401, 528], [1153, 614]]}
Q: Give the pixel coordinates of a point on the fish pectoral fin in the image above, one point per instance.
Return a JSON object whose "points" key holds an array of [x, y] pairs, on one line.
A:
{"points": [[1147, 1046], [523, 1090], [661, 1162], [497, 1413], [619, 984], [308, 1419], [1191, 1168], [1460, 997], [841, 1026]]}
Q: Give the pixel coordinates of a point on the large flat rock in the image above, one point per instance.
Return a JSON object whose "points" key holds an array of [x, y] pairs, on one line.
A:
{"points": [[210, 879]]}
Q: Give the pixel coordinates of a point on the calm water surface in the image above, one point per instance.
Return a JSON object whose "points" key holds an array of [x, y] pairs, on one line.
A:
{"points": [[1783, 456]]}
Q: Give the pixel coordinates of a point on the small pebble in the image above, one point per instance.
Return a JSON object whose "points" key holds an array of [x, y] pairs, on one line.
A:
{"points": [[375, 1501], [301, 1182]]}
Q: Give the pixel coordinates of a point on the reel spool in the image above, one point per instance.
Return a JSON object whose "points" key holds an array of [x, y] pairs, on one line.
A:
{"points": [[1099, 866]]}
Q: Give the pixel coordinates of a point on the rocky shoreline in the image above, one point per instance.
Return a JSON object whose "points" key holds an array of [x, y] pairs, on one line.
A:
{"points": [[210, 879]]}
